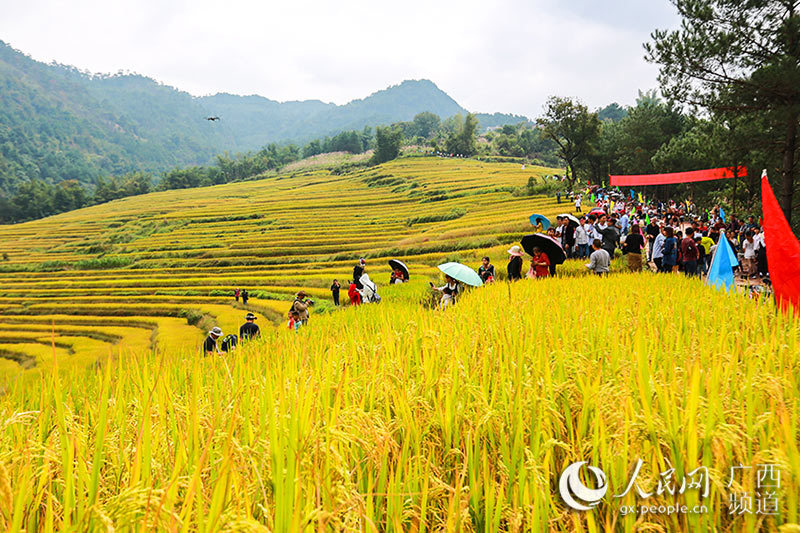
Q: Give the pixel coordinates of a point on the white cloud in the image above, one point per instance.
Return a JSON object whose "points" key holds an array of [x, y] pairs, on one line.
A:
{"points": [[504, 56]]}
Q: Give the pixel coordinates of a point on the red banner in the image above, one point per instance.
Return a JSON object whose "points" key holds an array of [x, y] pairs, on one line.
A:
{"points": [[678, 177]]}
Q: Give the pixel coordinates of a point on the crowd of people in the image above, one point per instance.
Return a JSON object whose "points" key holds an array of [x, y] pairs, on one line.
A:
{"points": [[663, 237]]}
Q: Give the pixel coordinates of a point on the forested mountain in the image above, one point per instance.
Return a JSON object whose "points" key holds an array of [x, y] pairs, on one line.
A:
{"points": [[59, 123]]}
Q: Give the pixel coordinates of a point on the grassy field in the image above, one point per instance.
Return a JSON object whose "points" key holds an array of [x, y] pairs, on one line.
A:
{"points": [[390, 417]]}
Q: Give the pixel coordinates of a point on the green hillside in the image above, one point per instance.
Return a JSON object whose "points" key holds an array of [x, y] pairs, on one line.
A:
{"points": [[60, 123]]}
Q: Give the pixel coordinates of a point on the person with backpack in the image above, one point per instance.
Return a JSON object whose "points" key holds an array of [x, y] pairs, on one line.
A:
{"points": [[245, 296], [249, 329], [689, 254], [228, 343]]}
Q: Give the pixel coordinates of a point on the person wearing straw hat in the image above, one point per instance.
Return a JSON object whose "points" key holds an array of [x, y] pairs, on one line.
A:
{"points": [[210, 345], [514, 267], [249, 329]]}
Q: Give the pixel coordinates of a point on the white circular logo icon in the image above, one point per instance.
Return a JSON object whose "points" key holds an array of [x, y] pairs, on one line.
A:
{"points": [[573, 491]]}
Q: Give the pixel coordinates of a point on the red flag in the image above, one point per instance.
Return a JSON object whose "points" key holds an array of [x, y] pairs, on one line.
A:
{"points": [[783, 250]]}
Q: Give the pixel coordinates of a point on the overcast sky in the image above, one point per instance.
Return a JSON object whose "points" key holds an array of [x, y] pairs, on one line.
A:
{"points": [[502, 55]]}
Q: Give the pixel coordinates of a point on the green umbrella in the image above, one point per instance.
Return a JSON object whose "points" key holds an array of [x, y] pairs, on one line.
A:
{"points": [[462, 273]]}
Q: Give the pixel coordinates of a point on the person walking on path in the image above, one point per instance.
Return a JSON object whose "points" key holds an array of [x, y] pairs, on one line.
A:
{"points": [[599, 261], [249, 330], [236, 294], [245, 296], [558, 196], [633, 249], [335, 292], [514, 267], [578, 204]]}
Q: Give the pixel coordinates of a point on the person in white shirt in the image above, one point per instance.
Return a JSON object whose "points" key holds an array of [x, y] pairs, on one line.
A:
{"points": [[582, 239], [593, 229], [450, 291], [749, 249], [658, 249], [578, 204], [758, 238], [761, 252]]}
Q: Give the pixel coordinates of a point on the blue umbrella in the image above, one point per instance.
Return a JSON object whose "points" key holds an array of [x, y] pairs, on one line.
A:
{"points": [[535, 219], [462, 273]]}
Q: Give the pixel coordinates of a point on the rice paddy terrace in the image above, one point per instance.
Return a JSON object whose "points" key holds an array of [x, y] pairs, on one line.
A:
{"points": [[137, 273]]}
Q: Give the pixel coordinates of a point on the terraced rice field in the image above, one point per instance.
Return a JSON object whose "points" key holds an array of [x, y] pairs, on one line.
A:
{"points": [[121, 276], [378, 418]]}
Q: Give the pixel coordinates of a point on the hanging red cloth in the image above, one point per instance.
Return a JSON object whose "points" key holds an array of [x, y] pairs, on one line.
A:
{"points": [[783, 250], [679, 177]]}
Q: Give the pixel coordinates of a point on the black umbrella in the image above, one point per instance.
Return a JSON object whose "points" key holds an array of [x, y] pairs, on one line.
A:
{"points": [[546, 244], [399, 265], [573, 220]]}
